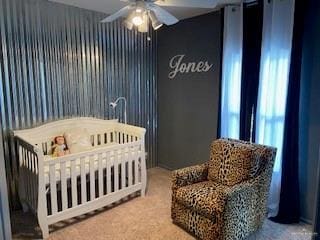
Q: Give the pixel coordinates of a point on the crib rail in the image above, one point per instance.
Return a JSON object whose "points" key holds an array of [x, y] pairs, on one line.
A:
{"points": [[76, 181], [103, 132], [101, 138]]}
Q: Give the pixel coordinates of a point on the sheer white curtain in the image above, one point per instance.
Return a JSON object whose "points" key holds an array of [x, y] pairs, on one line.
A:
{"points": [[231, 72], [274, 74]]}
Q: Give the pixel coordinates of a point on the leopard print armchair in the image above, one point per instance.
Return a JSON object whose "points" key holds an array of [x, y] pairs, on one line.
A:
{"points": [[226, 197]]}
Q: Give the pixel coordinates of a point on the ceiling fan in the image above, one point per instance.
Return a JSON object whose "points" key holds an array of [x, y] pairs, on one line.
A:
{"points": [[139, 12]]}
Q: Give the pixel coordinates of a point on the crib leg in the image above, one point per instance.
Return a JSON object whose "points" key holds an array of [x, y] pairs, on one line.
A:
{"points": [[143, 192], [42, 212], [143, 177], [43, 226], [144, 184], [45, 230]]}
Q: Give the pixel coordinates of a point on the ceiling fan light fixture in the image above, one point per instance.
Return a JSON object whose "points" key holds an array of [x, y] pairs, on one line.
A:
{"points": [[144, 27], [156, 24], [137, 20], [138, 13], [138, 10], [128, 24]]}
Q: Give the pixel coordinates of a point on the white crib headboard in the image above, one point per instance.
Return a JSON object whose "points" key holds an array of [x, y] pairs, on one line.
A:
{"points": [[48, 131]]}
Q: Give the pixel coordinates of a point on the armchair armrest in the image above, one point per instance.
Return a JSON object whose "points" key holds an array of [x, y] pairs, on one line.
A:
{"points": [[240, 188], [247, 199], [189, 175], [256, 187]]}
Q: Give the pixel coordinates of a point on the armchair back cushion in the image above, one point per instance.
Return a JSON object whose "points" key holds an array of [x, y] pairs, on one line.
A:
{"points": [[233, 161]]}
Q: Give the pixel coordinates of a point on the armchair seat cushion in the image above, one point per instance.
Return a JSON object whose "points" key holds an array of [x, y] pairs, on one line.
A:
{"points": [[205, 198]]}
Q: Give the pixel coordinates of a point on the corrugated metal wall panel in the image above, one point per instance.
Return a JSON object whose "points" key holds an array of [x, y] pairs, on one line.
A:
{"points": [[58, 62]]}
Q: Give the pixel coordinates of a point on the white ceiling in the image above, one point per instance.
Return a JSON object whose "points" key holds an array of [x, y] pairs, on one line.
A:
{"points": [[111, 6]]}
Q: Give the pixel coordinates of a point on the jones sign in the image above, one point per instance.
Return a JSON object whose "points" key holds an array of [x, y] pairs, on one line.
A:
{"points": [[178, 66]]}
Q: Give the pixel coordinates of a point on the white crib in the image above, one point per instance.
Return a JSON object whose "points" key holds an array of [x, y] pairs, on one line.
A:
{"points": [[56, 189]]}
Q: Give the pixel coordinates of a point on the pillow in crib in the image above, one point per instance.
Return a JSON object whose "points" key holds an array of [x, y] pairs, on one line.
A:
{"points": [[78, 140]]}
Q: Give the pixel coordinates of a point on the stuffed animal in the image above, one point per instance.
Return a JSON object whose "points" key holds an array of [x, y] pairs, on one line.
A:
{"points": [[60, 147]]}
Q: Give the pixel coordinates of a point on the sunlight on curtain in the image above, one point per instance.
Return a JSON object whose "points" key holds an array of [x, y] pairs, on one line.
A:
{"points": [[231, 72], [274, 74]]}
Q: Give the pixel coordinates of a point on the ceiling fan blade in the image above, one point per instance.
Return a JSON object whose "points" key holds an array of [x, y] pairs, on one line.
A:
{"points": [[162, 15], [122, 12], [188, 3]]}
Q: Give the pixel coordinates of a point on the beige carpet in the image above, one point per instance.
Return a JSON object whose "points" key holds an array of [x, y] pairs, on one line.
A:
{"points": [[138, 218]]}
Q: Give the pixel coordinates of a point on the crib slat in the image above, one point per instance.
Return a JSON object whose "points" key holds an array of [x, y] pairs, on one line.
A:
{"points": [[123, 169], [30, 156], [108, 177], [100, 173], [102, 139], [116, 172], [136, 166], [74, 184], [36, 164], [34, 189], [25, 159], [115, 137], [130, 162], [118, 137], [27, 175], [108, 137], [30, 161], [63, 179], [92, 181], [95, 139], [48, 145], [20, 156], [83, 181], [34, 182], [22, 169], [53, 188]]}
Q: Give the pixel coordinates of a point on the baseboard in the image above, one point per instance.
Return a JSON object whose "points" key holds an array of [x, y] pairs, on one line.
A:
{"points": [[165, 167], [308, 221]]}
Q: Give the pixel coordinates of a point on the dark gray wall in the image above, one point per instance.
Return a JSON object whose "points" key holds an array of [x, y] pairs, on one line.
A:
{"points": [[188, 104], [58, 61], [310, 112]]}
